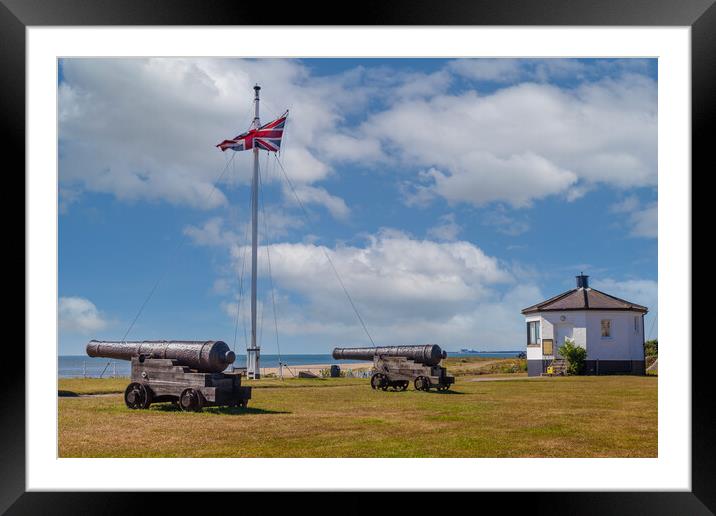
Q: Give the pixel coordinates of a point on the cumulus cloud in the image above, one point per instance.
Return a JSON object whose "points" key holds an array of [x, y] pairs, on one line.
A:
{"points": [[316, 195], [80, 315], [525, 142], [145, 129], [406, 289], [413, 276]]}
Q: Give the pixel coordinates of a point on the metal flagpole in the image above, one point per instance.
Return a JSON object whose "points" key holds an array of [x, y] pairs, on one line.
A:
{"points": [[252, 354]]}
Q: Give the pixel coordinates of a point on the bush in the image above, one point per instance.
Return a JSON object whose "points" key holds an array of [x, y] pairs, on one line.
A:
{"points": [[576, 357], [651, 348]]}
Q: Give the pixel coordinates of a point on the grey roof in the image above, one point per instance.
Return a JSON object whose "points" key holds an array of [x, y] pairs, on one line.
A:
{"points": [[584, 299]]}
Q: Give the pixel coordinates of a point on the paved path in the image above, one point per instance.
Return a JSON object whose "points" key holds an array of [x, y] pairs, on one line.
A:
{"points": [[501, 378]]}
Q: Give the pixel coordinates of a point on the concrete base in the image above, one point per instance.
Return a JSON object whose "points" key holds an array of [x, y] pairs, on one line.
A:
{"points": [[536, 367], [615, 367], [594, 367]]}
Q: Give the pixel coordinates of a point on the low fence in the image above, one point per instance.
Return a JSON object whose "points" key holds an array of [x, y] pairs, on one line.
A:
{"points": [[122, 369]]}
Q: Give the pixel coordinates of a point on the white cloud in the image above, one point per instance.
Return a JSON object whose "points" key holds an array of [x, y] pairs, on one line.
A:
{"points": [[80, 315], [407, 290], [525, 142], [640, 291], [448, 230], [642, 219], [221, 286], [411, 276], [505, 223], [502, 70], [145, 129], [273, 224], [626, 205], [316, 195], [212, 233], [645, 222], [492, 70]]}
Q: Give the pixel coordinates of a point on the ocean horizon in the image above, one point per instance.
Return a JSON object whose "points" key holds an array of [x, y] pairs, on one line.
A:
{"points": [[74, 366]]}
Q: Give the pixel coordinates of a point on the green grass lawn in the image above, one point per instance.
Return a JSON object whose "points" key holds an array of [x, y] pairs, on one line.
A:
{"points": [[609, 416]]}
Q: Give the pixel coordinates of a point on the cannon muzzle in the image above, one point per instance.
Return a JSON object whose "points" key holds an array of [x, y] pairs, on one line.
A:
{"points": [[211, 356], [429, 354]]}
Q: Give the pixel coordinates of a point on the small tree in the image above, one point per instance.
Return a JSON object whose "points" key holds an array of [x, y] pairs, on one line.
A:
{"points": [[576, 357], [651, 348]]}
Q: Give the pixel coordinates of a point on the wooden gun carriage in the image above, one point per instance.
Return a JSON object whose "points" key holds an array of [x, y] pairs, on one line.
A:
{"points": [[188, 373], [397, 366]]}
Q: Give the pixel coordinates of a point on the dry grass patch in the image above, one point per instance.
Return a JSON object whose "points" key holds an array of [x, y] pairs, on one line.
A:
{"points": [[612, 416]]}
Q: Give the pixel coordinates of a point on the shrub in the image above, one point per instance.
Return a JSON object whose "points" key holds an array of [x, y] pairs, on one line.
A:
{"points": [[651, 348], [576, 357]]}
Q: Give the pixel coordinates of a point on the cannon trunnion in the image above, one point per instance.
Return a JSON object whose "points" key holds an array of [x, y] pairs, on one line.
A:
{"points": [[397, 367], [189, 378]]}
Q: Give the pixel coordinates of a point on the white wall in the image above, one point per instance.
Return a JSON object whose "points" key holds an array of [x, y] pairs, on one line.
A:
{"points": [[534, 353], [624, 344], [584, 328]]}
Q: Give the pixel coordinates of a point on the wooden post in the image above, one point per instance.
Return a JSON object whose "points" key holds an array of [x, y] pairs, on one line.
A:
{"points": [[84, 369]]}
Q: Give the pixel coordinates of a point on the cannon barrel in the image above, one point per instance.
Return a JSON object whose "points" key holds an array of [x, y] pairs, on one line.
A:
{"points": [[211, 356], [429, 354]]}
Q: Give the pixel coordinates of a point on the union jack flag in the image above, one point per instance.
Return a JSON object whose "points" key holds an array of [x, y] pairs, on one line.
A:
{"points": [[267, 137]]}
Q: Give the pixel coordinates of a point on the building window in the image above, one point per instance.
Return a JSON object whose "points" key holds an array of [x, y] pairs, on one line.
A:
{"points": [[533, 333], [606, 328]]}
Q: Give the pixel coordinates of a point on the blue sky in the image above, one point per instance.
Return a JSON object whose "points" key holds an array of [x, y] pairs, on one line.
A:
{"points": [[449, 194]]}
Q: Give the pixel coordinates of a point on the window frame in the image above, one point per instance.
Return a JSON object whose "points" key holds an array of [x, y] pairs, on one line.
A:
{"points": [[609, 328], [537, 333]]}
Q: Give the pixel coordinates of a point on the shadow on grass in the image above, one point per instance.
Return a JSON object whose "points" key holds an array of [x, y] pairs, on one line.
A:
{"points": [[446, 393], [237, 411], [67, 394], [431, 391]]}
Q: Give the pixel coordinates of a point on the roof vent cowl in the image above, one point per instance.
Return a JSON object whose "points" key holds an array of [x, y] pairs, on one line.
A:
{"points": [[582, 281]]}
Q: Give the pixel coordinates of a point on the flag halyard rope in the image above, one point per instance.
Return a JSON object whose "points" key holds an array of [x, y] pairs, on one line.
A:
{"points": [[268, 260], [325, 253], [178, 246]]}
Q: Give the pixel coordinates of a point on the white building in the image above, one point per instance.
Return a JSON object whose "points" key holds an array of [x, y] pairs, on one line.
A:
{"points": [[609, 328]]}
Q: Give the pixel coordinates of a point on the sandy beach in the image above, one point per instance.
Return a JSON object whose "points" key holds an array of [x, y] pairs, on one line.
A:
{"points": [[291, 371]]}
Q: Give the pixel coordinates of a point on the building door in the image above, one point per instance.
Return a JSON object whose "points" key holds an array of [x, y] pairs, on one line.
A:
{"points": [[562, 332]]}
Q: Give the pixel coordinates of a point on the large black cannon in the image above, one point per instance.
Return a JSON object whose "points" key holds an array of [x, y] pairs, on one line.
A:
{"points": [[190, 373], [396, 366]]}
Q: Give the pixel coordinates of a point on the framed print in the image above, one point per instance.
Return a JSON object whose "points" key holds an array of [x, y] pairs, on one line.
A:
{"points": [[270, 255]]}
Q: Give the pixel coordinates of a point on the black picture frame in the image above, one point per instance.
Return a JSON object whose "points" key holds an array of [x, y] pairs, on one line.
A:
{"points": [[700, 15]]}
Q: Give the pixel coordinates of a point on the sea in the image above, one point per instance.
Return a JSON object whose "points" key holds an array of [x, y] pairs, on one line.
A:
{"points": [[79, 366]]}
